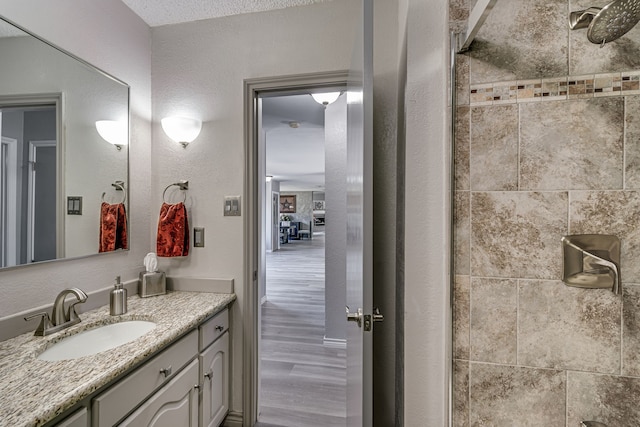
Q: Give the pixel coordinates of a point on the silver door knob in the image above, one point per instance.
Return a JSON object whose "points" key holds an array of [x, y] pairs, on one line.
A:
{"points": [[354, 317]]}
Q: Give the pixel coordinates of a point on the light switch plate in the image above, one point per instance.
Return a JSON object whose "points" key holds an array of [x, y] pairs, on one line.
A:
{"points": [[232, 206], [74, 205], [198, 237]]}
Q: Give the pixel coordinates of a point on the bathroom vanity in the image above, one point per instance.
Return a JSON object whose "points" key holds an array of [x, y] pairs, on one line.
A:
{"points": [[179, 370]]}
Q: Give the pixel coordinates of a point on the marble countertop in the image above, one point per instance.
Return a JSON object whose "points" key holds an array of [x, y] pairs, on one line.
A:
{"points": [[33, 391]]}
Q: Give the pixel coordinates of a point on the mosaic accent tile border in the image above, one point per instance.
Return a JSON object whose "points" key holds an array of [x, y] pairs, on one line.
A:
{"points": [[557, 88]]}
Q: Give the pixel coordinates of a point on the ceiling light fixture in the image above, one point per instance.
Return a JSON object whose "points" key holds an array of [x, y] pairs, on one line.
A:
{"points": [[181, 129], [113, 131], [325, 98]]}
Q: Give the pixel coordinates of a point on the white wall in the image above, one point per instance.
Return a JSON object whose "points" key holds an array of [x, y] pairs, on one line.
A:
{"points": [[198, 70], [427, 329], [108, 35]]}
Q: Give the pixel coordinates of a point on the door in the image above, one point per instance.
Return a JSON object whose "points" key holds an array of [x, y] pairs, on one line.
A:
{"points": [[359, 223], [214, 363], [42, 206]]}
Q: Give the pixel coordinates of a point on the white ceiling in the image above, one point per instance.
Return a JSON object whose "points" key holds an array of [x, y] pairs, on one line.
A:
{"points": [[163, 12], [295, 155]]}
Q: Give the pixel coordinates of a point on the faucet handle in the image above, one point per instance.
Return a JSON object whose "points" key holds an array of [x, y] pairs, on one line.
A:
{"points": [[71, 313], [45, 323]]}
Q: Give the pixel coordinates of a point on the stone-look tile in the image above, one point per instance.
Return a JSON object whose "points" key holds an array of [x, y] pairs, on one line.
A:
{"points": [[576, 145], [506, 396], [607, 399], [462, 79], [517, 234], [568, 328], [461, 295], [632, 142], [611, 212], [586, 57], [460, 393], [458, 15], [462, 227], [458, 10], [461, 150], [631, 330], [494, 320], [493, 159], [503, 48]]}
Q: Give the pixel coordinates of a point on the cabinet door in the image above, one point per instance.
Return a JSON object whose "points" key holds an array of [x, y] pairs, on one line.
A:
{"points": [[175, 404], [215, 382]]}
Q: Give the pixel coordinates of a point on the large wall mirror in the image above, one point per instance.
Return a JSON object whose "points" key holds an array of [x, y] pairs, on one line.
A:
{"points": [[64, 154]]}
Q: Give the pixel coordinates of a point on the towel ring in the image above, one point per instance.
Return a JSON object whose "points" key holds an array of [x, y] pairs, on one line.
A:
{"points": [[184, 185], [119, 185]]}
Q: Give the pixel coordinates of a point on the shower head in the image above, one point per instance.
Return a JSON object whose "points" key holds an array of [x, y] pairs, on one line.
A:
{"points": [[609, 23]]}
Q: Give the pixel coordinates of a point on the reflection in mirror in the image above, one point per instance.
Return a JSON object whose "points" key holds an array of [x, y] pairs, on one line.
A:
{"points": [[57, 173]]}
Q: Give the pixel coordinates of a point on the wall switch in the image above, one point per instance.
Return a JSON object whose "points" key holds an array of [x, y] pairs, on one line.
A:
{"points": [[232, 206], [74, 205], [198, 237]]}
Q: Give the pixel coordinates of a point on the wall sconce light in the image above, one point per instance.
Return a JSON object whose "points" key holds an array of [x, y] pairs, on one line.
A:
{"points": [[113, 131], [325, 98], [181, 129]]}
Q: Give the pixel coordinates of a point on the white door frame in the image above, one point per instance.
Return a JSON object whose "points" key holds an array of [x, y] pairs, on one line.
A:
{"points": [[253, 193], [56, 100]]}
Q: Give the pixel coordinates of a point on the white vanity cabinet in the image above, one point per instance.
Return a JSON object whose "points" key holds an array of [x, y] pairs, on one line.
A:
{"points": [[186, 385], [110, 406], [175, 404], [214, 370]]}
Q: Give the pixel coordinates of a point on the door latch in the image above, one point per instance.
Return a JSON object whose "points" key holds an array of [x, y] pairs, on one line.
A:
{"points": [[354, 317], [368, 319]]}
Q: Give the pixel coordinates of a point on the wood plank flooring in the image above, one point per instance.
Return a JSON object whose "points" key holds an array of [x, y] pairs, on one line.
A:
{"points": [[303, 382]]}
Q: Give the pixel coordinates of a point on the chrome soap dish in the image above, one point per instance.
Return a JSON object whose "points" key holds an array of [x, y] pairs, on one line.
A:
{"points": [[592, 261]]}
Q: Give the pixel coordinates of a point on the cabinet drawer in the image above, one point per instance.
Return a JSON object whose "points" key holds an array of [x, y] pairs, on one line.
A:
{"points": [[121, 398], [213, 328], [175, 404], [80, 418]]}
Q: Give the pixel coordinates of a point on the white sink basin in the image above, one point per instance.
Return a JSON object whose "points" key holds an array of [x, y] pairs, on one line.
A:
{"points": [[97, 340]]}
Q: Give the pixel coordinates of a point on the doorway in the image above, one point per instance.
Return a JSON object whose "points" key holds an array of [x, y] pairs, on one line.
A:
{"points": [[30, 181], [256, 92], [302, 350]]}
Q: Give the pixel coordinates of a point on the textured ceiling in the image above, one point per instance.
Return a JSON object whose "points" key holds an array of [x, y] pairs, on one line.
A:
{"points": [[163, 12]]}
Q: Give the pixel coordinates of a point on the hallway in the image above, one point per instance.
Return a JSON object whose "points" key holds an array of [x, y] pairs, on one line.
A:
{"points": [[303, 381]]}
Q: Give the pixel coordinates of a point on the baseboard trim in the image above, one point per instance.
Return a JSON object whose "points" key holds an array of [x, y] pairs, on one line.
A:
{"points": [[233, 419], [334, 342]]}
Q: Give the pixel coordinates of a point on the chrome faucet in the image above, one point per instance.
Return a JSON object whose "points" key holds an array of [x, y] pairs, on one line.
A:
{"points": [[60, 318]]}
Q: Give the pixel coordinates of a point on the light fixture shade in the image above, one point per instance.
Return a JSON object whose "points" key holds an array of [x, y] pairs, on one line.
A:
{"points": [[113, 131], [181, 129], [325, 98]]}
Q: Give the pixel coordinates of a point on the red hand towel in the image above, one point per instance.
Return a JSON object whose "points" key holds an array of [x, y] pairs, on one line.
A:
{"points": [[113, 227], [173, 231]]}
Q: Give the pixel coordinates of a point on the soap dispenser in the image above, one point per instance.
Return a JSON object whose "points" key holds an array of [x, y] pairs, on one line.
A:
{"points": [[118, 299]]}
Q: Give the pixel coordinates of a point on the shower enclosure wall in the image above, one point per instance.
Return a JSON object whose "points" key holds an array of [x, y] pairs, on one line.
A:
{"points": [[547, 144]]}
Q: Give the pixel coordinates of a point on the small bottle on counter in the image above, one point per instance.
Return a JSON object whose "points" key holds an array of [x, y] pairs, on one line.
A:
{"points": [[118, 299]]}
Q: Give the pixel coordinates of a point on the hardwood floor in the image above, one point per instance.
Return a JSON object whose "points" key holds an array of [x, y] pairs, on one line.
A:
{"points": [[303, 381]]}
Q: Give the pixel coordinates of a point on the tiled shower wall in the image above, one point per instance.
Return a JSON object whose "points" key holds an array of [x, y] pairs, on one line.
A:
{"points": [[529, 350]]}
